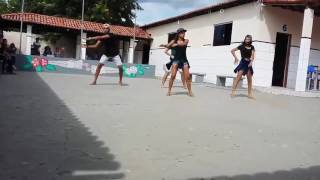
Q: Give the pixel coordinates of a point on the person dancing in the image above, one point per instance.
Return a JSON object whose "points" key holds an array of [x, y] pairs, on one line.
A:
{"points": [[167, 70], [247, 51], [111, 54], [179, 45]]}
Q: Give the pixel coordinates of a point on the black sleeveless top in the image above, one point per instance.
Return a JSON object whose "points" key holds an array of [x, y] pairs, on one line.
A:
{"points": [[246, 52], [111, 46], [180, 53]]}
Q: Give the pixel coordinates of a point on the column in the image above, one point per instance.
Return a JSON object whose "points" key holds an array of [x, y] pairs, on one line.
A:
{"points": [[131, 51], [304, 53], [78, 47], [83, 50], [29, 40]]}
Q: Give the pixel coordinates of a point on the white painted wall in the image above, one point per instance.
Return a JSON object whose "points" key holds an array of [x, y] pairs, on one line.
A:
{"points": [[293, 64], [14, 37], [273, 20], [262, 23], [201, 28]]}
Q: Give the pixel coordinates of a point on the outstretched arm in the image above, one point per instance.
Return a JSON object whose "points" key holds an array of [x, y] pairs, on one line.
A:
{"points": [[167, 45], [94, 46], [106, 36], [167, 53]]}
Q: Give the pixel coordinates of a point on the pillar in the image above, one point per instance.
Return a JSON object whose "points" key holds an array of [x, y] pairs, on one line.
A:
{"points": [[29, 40], [304, 53]]}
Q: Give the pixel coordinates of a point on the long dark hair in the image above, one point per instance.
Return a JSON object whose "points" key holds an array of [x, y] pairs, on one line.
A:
{"points": [[244, 41], [176, 38], [4, 43], [12, 45]]}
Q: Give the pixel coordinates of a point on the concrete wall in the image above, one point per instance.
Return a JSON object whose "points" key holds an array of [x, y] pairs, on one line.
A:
{"points": [[273, 19], [261, 22], [14, 37], [277, 17], [201, 28], [74, 66], [293, 64]]}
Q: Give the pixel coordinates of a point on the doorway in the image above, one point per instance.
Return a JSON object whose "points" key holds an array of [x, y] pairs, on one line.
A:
{"points": [[146, 53], [281, 60]]}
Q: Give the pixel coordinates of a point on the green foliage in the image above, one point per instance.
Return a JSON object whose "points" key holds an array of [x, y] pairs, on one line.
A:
{"points": [[3, 7], [106, 11]]}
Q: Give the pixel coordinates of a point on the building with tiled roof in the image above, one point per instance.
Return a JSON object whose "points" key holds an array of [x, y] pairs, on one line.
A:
{"points": [[35, 25], [286, 36], [71, 24]]}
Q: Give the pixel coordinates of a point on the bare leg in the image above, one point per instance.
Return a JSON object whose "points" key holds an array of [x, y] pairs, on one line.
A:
{"points": [[164, 79], [99, 67], [173, 77], [187, 80], [183, 79], [236, 82], [120, 75], [249, 77]]}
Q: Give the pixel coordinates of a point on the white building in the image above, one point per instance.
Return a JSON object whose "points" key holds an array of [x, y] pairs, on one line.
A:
{"points": [[286, 36]]}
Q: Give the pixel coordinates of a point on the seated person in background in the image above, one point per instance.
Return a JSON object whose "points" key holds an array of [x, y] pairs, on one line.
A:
{"points": [[1, 49], [62, 52], [35, 48], [12, 52], [47, 51], [57, 52], [6, 64]]}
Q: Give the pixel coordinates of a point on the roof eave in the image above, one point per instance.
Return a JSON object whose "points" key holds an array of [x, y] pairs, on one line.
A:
{"points": [[198, 12], [17, 18]]}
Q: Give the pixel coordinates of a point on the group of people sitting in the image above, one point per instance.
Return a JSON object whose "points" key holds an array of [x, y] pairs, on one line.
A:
{"points": [[35, 50], [7, 56]]}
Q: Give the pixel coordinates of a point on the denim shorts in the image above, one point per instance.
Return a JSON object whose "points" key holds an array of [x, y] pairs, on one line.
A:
{"points": [[181, 64]]}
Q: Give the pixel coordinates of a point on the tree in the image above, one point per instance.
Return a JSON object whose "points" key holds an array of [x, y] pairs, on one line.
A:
{"points": [[111, 11], [3, 7]]}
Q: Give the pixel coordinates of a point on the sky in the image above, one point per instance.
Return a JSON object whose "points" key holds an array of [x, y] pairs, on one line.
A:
{"points": [[155, 10]]}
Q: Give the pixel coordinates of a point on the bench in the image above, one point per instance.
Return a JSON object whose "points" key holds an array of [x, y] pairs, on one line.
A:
{"points": [[222, 79], [197, 77]]}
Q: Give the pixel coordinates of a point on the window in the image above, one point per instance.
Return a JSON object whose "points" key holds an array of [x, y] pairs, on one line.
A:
{"points": [[222, 34], [171, 36]]}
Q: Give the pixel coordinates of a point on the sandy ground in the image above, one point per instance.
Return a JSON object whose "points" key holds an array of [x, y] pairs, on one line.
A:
{"points": [[57, 127]]}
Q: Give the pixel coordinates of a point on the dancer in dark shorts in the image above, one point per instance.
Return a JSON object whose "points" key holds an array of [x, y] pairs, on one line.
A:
{"points": [[111, 54], [167, 70], [179, 45], [244, 68]]}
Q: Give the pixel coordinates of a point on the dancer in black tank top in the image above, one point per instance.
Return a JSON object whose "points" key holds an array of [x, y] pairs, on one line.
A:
{"points": [[167, 70], [179, 45], [247, 51], [111, 52]]}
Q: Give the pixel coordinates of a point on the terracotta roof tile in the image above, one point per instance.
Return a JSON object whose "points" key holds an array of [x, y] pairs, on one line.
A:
{"points": [[74, 24]]}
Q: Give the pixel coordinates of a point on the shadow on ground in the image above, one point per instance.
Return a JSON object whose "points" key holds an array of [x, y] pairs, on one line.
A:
{"points": [[110, 84], [312, 173], [42, 140]]}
